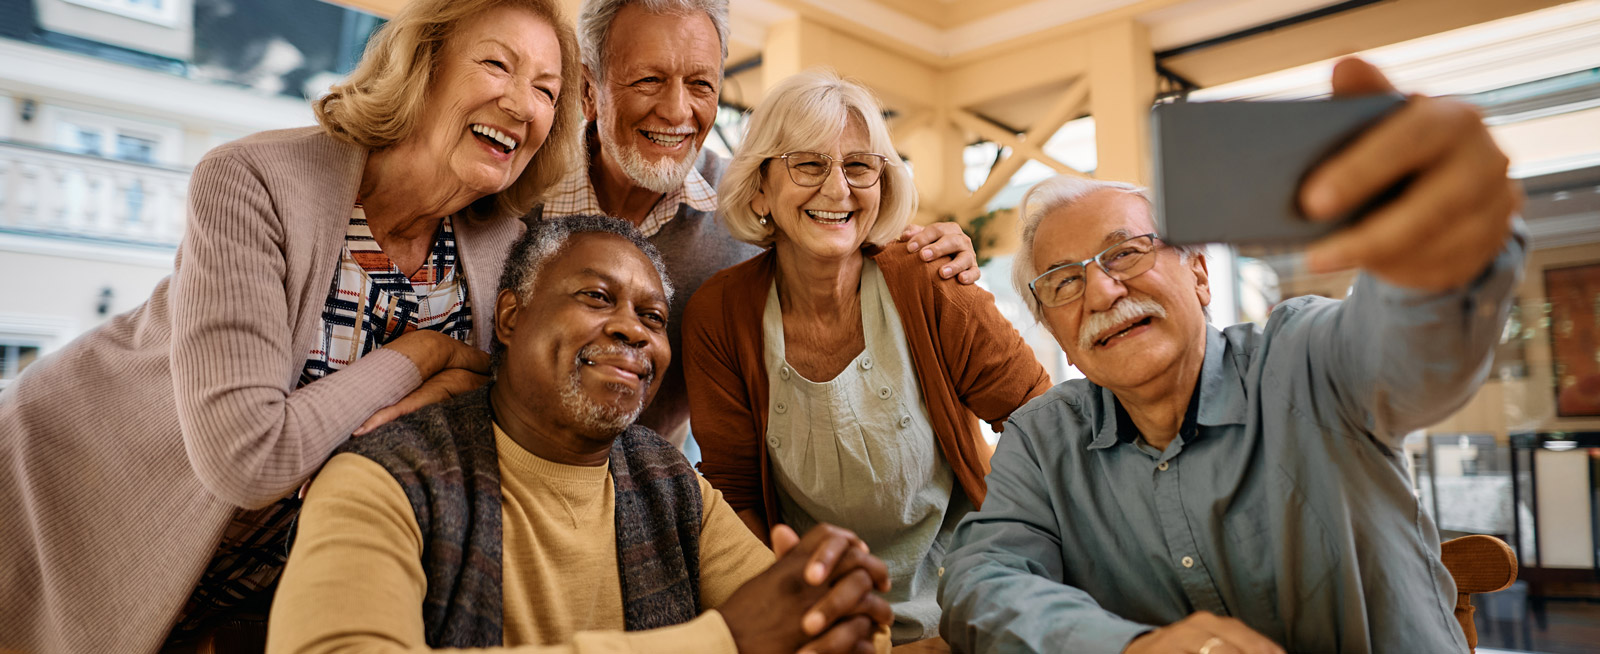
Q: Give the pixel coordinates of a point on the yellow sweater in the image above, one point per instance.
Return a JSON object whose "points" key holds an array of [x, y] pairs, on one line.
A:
{"points": [[355, 581]]}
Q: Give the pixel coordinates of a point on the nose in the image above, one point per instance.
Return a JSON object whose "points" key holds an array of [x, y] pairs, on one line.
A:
{"points": [[517, 102], [674, 106], [1100, 289], [626, 327], [834, 186]]}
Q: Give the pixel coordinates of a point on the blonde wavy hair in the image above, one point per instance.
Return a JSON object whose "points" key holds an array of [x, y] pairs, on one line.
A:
{"points": [[808, 111], [381, 101]]}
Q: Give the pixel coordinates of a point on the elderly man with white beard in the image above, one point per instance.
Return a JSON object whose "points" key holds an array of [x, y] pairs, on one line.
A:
{"points": [[652, 73], [1243, 490]]}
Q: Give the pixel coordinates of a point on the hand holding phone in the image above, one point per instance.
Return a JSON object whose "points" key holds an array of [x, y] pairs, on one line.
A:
{"points": [[1437, 231]]}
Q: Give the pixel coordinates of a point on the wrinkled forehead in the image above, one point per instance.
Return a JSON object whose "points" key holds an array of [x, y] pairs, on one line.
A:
{"points": [[608, 258], [1092, 224]]}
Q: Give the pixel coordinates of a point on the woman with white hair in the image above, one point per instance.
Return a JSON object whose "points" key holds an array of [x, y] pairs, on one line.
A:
{"points": [[330, 278], [832, 379]]}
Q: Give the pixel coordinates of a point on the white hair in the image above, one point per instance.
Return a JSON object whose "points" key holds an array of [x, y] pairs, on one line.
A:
{"points": [[1055, 194], [594, 25]]}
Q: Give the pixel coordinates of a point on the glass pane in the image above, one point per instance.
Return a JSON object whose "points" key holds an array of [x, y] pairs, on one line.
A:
{"points": [[133, 148], [82, 140]]}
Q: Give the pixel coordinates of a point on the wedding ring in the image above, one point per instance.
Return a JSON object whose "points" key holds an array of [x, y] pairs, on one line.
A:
{"points": [[1212, 642]]}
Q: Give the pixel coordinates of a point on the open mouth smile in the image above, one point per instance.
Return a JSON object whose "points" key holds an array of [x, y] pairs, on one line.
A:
{"points": [[665, 139], [1120, 331], [495, 138], [830, 217]]}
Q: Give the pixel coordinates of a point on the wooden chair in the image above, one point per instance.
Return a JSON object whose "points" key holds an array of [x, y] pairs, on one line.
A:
{"points": [[1479, 564]]}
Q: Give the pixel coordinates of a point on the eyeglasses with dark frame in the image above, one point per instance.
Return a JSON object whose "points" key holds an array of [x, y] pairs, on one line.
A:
{"points": [[1127, 259], [861, 169]]}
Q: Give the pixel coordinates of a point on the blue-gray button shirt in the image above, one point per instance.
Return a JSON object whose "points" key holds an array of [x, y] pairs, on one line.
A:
{"points": [[1283, 502]]}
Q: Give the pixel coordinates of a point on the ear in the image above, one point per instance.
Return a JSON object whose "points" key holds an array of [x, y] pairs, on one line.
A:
{"points": [[758, 203], [1202, 278], [591, 106], [506, 309]]}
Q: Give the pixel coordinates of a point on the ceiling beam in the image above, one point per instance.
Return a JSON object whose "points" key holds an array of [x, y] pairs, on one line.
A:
{"points": [[1340, 34]]}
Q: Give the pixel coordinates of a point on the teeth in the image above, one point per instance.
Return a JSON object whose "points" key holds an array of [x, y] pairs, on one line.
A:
{"points": [[663, 138], [499, 137], [833, 217]]}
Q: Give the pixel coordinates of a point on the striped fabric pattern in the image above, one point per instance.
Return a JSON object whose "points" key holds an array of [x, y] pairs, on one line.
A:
{"points": [[372, 302]]}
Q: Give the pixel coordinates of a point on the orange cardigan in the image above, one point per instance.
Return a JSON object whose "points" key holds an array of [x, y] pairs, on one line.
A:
{"points": [[969, 361]]}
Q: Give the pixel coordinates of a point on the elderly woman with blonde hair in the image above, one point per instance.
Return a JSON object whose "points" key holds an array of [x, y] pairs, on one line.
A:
{"points": [[832, 379], [330, 278]]}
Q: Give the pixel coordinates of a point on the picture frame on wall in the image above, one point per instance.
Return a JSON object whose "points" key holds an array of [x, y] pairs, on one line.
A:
{"points": [[1574, 313]]}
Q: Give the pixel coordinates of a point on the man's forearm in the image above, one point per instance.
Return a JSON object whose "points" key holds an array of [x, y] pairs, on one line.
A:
{"points": [[991, 606]]}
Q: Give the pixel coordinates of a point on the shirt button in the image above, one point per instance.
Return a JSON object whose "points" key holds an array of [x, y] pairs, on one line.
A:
{"points": [[781, 407], [905, 421], [773, 441], [866, 364], [1188, 561], [1162, 466], [884, 393], [783, 373]]}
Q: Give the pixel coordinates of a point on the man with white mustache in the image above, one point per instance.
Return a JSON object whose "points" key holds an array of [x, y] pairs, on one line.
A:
{"points": [[652, 74], [1244, 489]]}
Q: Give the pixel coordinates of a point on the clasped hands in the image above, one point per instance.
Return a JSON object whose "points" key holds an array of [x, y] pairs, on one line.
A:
{"points": [[817, 598]]}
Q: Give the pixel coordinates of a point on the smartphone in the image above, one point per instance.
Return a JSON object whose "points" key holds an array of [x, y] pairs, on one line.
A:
{"points": [[1230, 172]]}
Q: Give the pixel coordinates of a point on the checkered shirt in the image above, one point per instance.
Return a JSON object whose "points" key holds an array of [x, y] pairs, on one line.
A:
{"points": [[575, 195], [370, 304]]}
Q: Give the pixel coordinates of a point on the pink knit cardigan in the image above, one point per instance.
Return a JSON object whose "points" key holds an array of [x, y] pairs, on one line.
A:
{"points": [[123, 455]]}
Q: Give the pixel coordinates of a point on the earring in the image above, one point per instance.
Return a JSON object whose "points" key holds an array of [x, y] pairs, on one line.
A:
{"points": [[763, 221]]}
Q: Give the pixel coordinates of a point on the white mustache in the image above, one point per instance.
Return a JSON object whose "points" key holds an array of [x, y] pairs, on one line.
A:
{"points": [[1125, 310]]}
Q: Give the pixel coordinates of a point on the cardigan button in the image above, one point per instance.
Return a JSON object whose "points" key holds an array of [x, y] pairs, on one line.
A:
{"points": [[783, 373], [884, 393], [780, 407], [905, 421], [866, 363], [773, 442]]}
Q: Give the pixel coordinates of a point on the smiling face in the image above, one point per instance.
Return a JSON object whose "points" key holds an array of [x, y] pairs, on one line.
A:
{"points": [[1122, 335], [830, 221], [586, 348], [491, 100], [658, 98]]}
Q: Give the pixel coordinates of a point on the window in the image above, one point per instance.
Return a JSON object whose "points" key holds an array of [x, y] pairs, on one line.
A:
{"points": [[137, 149], [13, 358], [111, 136], [160, 12]]}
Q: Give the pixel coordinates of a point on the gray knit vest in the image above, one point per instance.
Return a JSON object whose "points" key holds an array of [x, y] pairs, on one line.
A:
{"points": [[444, 457]]}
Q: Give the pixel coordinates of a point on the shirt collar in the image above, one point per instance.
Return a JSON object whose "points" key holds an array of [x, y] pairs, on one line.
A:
{"points": [[1220, 396], [574, 194]]}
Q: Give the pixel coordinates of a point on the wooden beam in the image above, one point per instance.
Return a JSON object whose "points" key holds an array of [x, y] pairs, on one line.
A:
{"points": [[1122, 86], [1018, 71], [1344, 33]]}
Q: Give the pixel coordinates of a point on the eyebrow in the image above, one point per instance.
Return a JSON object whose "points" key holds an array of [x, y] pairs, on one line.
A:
{"points": [[1114, 237], [613, 281]]}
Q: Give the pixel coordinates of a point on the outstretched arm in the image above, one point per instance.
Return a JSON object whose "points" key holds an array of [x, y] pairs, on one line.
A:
{"points": [[1439, 262]]}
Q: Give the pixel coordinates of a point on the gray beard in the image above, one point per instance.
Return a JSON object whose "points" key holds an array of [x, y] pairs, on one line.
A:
{"points": [[593, 416], [660, 176]]}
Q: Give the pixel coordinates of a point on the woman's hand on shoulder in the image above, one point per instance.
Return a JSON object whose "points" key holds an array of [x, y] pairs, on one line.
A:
{"points": [[945, 245], [442, 386], [432, 352]]}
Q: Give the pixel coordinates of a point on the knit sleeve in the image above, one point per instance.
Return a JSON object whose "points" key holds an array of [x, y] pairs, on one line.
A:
{"points": [[723, 422], [729, 554], [993, 369], [251, 437]]}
